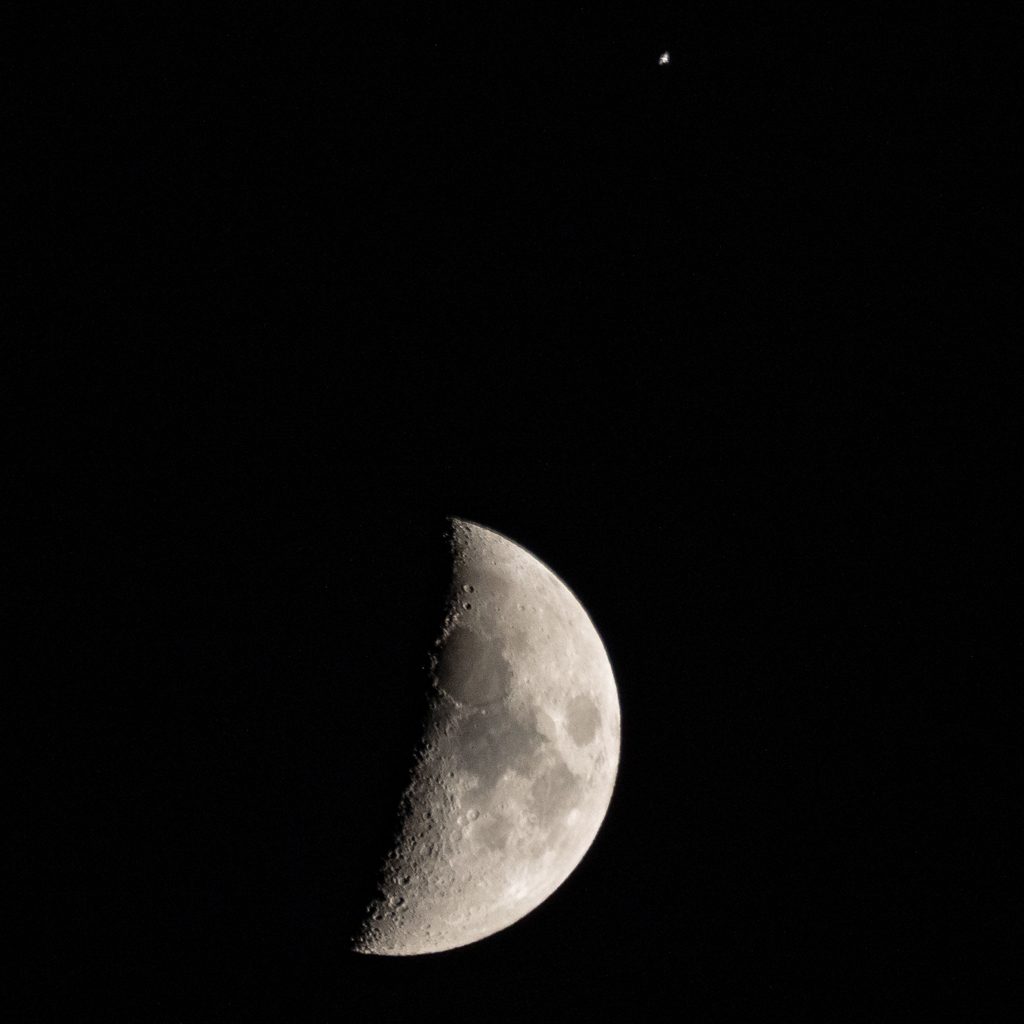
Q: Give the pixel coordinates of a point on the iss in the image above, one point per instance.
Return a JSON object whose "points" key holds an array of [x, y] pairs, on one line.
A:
{"points": [[663, 59]]}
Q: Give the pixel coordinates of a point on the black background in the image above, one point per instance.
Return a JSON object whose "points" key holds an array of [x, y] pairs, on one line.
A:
{"points": [[693, 334]]}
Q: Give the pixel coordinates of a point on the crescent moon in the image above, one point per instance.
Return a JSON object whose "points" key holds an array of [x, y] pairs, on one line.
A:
{"points": [[518, 761]]}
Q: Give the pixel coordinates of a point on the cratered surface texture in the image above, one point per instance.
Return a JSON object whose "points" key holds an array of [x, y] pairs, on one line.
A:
{"points": [[518, 761]]}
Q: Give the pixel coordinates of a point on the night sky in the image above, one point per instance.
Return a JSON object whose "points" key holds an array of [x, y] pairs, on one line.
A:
{"points": [[693, 334]]}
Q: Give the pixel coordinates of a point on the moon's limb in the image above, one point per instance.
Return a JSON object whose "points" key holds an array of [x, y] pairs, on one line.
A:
{"points": [[519, 757]]}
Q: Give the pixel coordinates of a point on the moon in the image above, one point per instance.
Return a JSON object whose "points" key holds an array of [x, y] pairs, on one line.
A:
{"points": [[518, 760]]}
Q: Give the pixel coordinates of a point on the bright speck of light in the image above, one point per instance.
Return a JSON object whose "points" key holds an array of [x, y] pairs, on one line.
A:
{"points": [[663, 59]]}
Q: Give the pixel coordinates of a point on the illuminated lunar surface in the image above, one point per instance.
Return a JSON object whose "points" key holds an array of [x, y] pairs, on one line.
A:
{"points": [[518, 761]]}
